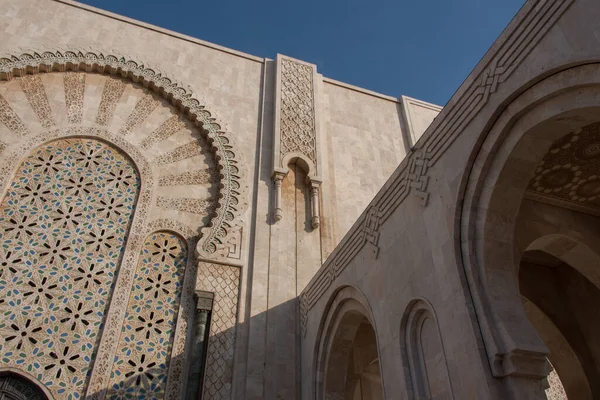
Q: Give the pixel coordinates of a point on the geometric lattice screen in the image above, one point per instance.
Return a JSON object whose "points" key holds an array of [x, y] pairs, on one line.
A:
{"points": [[63, 226], [142, 360]]}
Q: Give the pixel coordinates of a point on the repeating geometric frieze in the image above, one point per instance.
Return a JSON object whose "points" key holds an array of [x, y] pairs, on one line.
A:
{"points": [[142, 361], [412, 173], [297, 125], [63, 224]]}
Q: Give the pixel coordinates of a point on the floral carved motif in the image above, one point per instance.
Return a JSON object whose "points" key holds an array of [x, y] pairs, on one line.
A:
{"points": [[74, 84]]}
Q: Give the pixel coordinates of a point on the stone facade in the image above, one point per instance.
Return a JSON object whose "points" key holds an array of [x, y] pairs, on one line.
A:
{"points": [[315, 240]]}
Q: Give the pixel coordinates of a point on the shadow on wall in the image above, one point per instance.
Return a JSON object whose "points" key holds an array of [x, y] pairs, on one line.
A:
{"points": [[148, 380]]}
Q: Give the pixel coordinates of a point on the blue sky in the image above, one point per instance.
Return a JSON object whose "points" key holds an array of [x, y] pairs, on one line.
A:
{"points": [[419, 48]]}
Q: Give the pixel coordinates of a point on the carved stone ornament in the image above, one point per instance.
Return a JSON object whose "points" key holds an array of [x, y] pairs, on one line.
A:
{"points": [[296, 129], [55, 152], [213, 243]]}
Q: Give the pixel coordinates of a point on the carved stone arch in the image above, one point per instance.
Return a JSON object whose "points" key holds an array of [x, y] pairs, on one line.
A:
{"points": [[493, 187], [425, 376], [23, 387], [346, 310], [304, 162], [232, 194], [569, 353]]}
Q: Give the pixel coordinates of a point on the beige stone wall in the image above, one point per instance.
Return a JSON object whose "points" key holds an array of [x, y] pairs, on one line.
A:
{"points": [[362, 144], [362, 138], [418, 239]]}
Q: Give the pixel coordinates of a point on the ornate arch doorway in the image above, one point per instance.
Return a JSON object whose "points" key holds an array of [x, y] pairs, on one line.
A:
{"points": [[16, 387]]}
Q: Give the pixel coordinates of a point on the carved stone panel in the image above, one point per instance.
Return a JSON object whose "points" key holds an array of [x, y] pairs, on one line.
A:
{"points": [[296, 129], [223, 281], [297, 110], [568, 174]]}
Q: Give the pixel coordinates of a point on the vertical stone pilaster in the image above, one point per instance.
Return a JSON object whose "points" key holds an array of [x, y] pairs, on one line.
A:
{"points": [[296, 130]]}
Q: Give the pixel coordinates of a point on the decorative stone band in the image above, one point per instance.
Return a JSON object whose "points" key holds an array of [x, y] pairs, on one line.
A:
{"points": [[411, 174], [232, 196]]}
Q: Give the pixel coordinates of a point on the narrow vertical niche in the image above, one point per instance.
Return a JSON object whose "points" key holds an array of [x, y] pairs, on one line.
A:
{"points": [[425, 366]]}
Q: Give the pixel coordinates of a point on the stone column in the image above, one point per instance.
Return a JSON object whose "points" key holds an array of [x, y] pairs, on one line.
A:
{"points": [[315, 184], [277, 213], [199, 341]]}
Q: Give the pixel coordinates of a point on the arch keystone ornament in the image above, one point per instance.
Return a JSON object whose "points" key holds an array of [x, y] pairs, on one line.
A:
{"points": [[296, 130]]}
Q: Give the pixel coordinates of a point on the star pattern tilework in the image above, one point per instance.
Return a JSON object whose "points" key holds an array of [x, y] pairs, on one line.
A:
{"points": [[141, 364], [63, 224]]}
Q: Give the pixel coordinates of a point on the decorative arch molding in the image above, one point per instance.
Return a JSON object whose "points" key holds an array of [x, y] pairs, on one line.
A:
{"points": [[493, 186], [232, 194], [26, 376], [417, 379], [8, 167], [343, 314]]}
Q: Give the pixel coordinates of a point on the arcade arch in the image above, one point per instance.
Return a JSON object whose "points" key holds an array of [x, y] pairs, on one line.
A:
{"points": [[348, 364], [540, 158]]}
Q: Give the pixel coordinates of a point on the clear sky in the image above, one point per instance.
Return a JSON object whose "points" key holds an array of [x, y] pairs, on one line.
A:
{"points": [[419, 48]]}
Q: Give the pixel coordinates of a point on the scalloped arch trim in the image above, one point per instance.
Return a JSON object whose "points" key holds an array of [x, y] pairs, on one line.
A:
{"points": [[212, 243]]}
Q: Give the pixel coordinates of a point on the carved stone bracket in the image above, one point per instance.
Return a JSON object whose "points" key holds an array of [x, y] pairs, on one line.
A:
{"points": [[296, 130]]}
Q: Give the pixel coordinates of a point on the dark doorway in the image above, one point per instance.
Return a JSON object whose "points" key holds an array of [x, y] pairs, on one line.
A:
{"points": [[16, 387]]}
